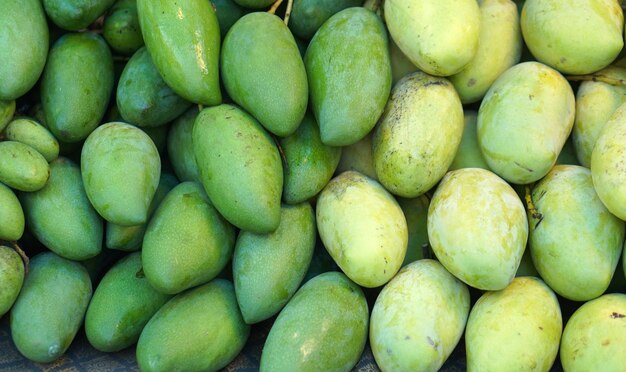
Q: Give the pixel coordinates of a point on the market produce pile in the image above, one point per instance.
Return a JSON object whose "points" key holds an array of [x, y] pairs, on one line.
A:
{"points": [[400, 172]]}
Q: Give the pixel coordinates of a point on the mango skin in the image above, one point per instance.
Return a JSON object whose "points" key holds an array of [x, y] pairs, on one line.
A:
{"points": [[327, 311], [358, 157], [200, 330], [401, 65], [183, 39], [524, 121], [22, 167], [307, 16], [11, 215], [180, 146], [416, 211], [120, 167], [50, 308], [7, 110], [76, 85], [363, 228], [35, 135], [418, 135], [515, 329], [242, 172], [567, 156], [227, 12], [121, 27], [74, 15], [254, 4], [477, 228], [469, 155], [11, 278], [577, 39], [350, 49]]}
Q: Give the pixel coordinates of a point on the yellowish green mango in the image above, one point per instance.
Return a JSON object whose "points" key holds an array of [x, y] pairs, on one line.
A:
{"points": [[469, 155], [11, 215], [75, 15], [121, 27], [307, 16], [416, 211], [22, 167], [7, 109], [35, 135], [180, 146], [11, 278], [358, 157]]}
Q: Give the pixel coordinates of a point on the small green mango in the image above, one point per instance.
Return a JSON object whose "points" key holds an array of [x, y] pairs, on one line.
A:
{"points": [[7, 109], [22, 167], [255, 4], [180, 146], [11, 215], [415, 211], [35, 135], [11, 278], [468, 155], [358, 157], [227, 12], [74, 15], [121, 27], [307, 16]]}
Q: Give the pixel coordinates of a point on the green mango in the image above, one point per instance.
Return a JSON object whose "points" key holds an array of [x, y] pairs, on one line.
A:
{"points": [[329, 310], [255, 4], [242, 172], [526, 266], [307, 16], [35, 135], [22, 167], [264, 73], [180, 146], [578, 39], [74, 15], [7, 109], [76, 85], [120, 167], [514, 329], [349, 50], [567, 156], [183, 39], [415, 211], [11, 215], [401, 65], [121, 306], [198, 330], [439, 36], [468, 155], [268, 269], [358, 157], [121, 27], [418, 318], [227, 12], [524, 121], [50, 308], [477, 228], [143, 98], [310, 164], [418, 135], [24, 42], [363, 228], [11, 278], [60, 215], [187, 242]]}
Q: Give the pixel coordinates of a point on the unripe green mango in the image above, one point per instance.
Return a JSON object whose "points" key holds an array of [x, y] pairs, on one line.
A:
{"points": [[227, 12], [418, 135], [50, 308], [24, 42], [469, 155], [524, 121], [180, 146], [401, 65], [74, 15], [363, 228], [60, 215], [11, 278], [254, 4], [328, 311], [121, 27], [578, 39], [22, 167], [7, 109], [268, 269], [121, 306], [35, 135], [264, 73], [416, 211], [514, 329], [349, 50], [307, 16], [418, 318], [183, 39], [198, 330], [310, 163], [358, 157], [11, 215], [242, 171], [477, 228], [76, 85], [439, 36]]}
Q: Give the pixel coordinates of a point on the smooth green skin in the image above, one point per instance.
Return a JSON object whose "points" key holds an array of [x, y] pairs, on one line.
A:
{"points": [[416, 211], [242, 172], [7, 109], [477, 228], [227, 12], [50, 308], [120, 166], [524, 121], [310, 163], [121, 306], [468, 155], [74, 15], [76, 85], [22, 167], [264, 73], [418, 318], [143, 98], [418, 135], [198, 330], [428, 32], [363, 228], [11, 278], [401, 65], [307, 16], [187, 241], [183, 39], [577, 244], [268, 269], [358, 157], [24, 41], [60, 215], [11, 216], [349, 50], [254, 4], [180, 146], [35, 135], [573, 37], [515, 329], [567, 156], [329, 310], [121, 28]]}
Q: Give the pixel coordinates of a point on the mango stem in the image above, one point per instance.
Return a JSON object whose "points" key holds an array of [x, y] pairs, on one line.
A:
{"points": [[372, 5], [275, 6], [597, 78], [288, 11], [532, 210]]}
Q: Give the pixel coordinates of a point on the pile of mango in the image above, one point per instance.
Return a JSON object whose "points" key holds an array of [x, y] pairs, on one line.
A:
{"points": [[398, 172]]}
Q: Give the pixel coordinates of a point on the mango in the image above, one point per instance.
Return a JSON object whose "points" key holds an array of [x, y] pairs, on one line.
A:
{"points": [[307, 16], [358, 157], [363, 228], [327, 311], [35, 135], [227, 12], [469, 155], [418, 135], [349, 50], [11, 215], [11, 278], [401, 65], [416, 211], [121, 27], [180, 146], [254, 4], [567, 156], [7, 109], [74, 15], [22, 167], [526, 265]]}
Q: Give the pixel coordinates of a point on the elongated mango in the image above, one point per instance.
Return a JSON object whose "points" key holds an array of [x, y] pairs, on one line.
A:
{"points": [[11, 215]]}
